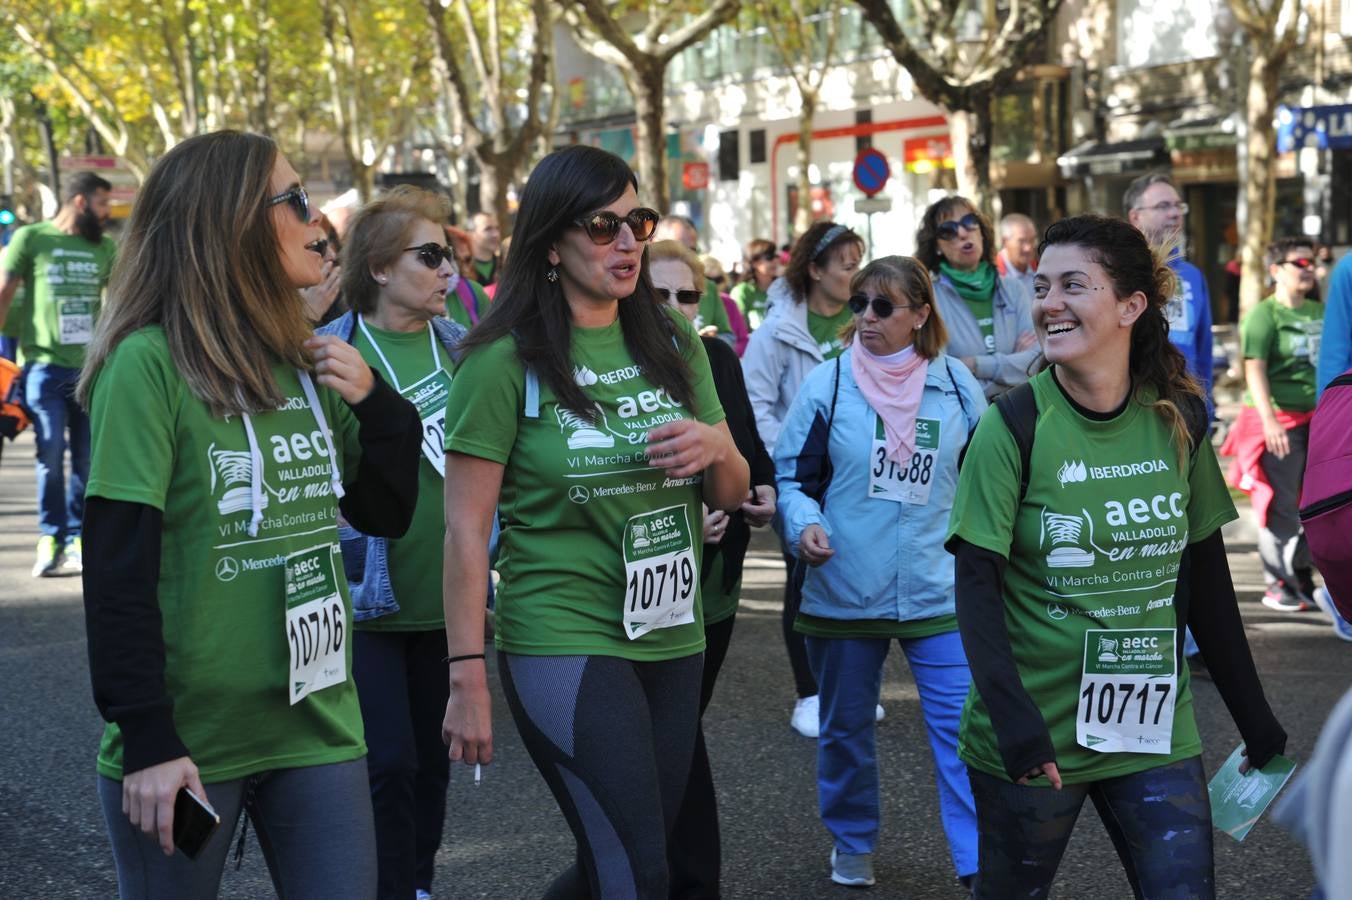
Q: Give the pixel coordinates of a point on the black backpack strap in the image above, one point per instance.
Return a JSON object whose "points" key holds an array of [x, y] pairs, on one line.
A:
{"points": [[835, 392], [1018, 407], [1194, 415]]}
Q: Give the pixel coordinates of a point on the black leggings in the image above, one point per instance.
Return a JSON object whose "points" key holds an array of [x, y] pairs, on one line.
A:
{"points": [[594, 726], [803, 681]]}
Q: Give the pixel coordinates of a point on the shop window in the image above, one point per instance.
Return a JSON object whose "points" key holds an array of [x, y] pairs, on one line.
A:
{"points": [[729, 155], [757, 148]]}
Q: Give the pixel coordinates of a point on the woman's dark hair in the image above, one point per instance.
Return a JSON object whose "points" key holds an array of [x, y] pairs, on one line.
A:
{"points": [[927, 242], [1133, 265], [819, 245], [568, 184]]}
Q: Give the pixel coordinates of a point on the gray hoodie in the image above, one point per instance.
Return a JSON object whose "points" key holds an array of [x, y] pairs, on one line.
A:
{"points": [[777, 359]]}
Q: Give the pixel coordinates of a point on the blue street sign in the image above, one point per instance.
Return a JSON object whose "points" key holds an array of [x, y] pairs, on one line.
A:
{"points": [[871, 171]]}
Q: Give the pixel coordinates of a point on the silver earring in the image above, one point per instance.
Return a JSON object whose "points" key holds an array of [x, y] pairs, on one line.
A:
{"points": [[552, 276]]}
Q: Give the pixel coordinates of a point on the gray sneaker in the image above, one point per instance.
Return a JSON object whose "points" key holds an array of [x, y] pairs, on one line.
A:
{"points": [[852, 869]]}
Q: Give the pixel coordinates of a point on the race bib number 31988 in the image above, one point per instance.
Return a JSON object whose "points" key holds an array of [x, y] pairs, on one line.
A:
{"points": [[316, 623], [1127, 691]]}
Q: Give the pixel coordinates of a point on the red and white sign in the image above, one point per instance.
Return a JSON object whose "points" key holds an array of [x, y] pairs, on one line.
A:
{"points": [[925, 154], [695, 176]]}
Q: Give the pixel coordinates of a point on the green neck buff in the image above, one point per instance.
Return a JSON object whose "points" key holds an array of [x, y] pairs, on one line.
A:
{"points": [[976, 286]]}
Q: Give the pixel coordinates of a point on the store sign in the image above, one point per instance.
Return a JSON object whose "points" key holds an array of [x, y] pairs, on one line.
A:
{"points": [[695, 176], [923, 155], [577, 92], [1320, 127]]}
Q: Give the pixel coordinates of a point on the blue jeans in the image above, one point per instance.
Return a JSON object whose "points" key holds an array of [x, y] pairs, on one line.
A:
{"points": [[313, 823], [1159, 821], [849, 674], [49, 394], [9, 347]]}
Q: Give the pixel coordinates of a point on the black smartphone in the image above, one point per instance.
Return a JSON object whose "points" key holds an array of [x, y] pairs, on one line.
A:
{"points": [[194, 822]]}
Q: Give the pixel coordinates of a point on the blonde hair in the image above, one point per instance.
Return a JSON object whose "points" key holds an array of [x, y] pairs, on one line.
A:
{"points": [[906, 283], [200, 259], [659, 250], [378, 235]]}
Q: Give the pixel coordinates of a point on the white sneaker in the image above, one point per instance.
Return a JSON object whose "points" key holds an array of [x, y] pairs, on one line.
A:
{"points": [[806, 718]]}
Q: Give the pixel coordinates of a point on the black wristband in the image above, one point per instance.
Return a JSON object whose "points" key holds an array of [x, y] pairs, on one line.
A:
{"points": [[456, 659]]}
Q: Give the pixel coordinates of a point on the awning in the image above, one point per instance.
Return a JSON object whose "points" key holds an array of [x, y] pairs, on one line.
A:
{"points": [[1112, 158], [1212, 133]]}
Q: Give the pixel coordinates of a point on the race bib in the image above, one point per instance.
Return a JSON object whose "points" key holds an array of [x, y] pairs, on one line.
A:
{"points": [[909, 482], [429, 396], [75, 320], [1127, 691], [316, 622], [1177, 312], [1306, 346], [661, 577]]}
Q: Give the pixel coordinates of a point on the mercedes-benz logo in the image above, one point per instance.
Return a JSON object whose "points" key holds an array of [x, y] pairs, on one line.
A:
{"points": [[1056, 611], [227, 569], [578, 494]]}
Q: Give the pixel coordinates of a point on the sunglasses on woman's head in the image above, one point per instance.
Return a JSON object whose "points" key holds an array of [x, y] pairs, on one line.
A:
{"points": [[297, 198], [882, 307], [686, 297], [947, 231], [431, 254], [604, 227]]}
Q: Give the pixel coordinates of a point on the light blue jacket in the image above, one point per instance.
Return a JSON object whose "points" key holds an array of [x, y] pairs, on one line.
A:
{"points": [[1335, 344], [366, 559], [889, 560]]}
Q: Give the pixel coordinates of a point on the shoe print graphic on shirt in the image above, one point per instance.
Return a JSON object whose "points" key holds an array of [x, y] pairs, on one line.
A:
{"points": [[1107, 650], [1064, 533], [639, 532], [234, 469], [581, 433]]}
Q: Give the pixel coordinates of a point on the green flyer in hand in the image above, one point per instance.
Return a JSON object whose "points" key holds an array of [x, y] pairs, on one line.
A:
{"points": [[1238, 800]]}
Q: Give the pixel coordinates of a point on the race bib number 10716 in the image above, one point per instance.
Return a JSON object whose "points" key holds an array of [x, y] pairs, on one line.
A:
{"points": [[316, 623]]}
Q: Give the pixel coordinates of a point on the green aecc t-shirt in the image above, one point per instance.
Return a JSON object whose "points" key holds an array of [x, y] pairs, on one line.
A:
{"points": [[586, 522], [414, 559], [1288, 339], [1093, 552], [223, 593], [825, 330], [64, 275]]}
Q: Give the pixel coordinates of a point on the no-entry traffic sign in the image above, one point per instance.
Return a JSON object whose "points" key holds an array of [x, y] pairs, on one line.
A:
{"points": [[871, 171]]}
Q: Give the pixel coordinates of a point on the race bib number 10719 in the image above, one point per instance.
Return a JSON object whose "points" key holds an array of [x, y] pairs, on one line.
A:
{"points": [[661, 576]]}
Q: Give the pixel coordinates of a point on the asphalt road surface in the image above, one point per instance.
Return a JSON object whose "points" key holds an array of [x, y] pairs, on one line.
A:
{"points": [[505, 838]]}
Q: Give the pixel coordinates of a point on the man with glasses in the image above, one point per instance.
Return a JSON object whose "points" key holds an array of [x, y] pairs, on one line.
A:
{"points": [[1152, 204], [64, 265]]}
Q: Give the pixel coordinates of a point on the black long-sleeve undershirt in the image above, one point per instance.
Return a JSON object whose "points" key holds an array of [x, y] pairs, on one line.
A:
{"points": [[1205, 598], [122, 545]]}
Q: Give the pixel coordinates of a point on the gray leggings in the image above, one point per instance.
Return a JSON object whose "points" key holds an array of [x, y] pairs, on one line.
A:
{"points": [[614, 740], [313, 823]]}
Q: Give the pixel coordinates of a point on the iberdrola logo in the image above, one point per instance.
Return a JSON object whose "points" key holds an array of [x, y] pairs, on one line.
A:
{"points": [[1071, 470]]}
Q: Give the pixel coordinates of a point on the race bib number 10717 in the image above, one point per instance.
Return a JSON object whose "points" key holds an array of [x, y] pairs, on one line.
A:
{"points": [[1127, 691]]}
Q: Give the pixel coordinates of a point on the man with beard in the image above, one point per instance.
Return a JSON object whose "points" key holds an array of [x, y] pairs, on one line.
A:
{"points": [[64, 265]]}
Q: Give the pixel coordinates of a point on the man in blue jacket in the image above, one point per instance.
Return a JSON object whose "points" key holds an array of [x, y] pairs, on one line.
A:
{"points": [[1335, 346], [1152, 204]]}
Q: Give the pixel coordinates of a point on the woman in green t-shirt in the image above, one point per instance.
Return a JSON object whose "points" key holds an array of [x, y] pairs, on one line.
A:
{"points": [[762, 265], [1073, 586], [395, 285], [989, 328], [226, 440], [584, 409]]}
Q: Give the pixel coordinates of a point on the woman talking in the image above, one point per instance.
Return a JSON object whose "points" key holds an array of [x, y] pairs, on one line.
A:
{"points": [[395, 285], [891, 415], [227, 439], [585, 407], [1083, 548]]}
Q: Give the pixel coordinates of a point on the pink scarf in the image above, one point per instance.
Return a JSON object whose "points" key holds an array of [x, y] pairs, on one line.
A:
{"points": [[892, 385]]}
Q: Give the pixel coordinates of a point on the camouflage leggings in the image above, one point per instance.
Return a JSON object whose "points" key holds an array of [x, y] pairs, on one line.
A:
{"points": [[1159, 821]]}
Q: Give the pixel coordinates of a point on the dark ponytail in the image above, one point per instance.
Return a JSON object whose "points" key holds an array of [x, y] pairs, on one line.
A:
{"points": [[1133, 265]]}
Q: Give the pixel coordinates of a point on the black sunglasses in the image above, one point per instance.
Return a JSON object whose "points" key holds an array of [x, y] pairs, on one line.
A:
{"points": [[603, 227], [299, 200], [686, 297], [947, 231], [431, 254], [1302, 262], [765, 256], [882, 307]]}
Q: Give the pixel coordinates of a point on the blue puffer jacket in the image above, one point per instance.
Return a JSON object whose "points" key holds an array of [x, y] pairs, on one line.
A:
{"points": [[366, 558], [889, 560]]}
